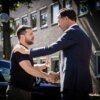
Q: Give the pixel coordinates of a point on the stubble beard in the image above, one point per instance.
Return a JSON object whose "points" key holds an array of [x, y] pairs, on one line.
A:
{"points": [[29, 42]]}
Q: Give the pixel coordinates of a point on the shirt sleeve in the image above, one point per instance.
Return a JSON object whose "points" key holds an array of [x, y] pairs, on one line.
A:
{"points": [[20, 57]]}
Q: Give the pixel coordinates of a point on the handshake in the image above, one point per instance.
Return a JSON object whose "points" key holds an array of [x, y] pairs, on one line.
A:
{"points": [[53, 77]]}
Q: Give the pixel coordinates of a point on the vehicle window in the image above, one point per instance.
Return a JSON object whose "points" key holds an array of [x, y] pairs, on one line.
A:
{"points": [[1, 78], [5, 73]]}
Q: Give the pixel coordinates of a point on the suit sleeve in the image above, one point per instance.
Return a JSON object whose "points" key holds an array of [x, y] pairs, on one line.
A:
{"points": [[65, 41]]}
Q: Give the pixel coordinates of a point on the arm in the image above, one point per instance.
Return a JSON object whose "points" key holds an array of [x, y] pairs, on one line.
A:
{"points": [[36, 72], [65, 41], [27, 67], [40, 66], [45, 65]]}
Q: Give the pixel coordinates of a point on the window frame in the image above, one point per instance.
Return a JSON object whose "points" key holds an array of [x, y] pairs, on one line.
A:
{"points": [[69, 2], [97, 54], [83, 5], [53, 5], [97, 5], [45, 25], [34, 14], [25, 16], [17, 20]]}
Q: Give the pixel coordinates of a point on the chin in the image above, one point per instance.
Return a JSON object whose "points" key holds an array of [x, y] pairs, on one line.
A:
{"points": [[31, 43]]}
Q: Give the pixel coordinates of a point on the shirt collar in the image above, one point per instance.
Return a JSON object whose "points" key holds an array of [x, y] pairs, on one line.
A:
{"points": [[23, 45], [70, 27]]}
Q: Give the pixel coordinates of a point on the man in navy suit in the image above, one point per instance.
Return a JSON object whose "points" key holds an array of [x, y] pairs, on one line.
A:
{"points": [[75, 46]]}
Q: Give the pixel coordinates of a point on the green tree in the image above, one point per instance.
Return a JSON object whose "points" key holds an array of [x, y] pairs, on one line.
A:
{"points": [[6, 6]]}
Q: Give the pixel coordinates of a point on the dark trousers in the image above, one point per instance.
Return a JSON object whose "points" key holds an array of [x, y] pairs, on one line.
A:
{"points": [[13, 93], [73, 95]]}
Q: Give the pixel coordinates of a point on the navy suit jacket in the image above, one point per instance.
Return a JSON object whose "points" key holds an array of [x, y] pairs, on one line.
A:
{"points": [[75, 48]]}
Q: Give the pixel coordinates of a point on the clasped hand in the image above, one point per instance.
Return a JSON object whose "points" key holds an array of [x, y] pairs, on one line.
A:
{"points": [[53, 77]]}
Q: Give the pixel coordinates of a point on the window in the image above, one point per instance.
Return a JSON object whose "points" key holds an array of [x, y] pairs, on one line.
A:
{"points": [[43, 18], [17, 21], [25, 20], [83, 8], [4, 70], [97, 4], [34, 20], [54, 11], [68, 4], [97, 63], [55, 64], [43, 61]]}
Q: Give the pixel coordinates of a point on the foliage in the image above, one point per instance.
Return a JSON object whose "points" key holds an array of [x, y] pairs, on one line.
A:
{"points": [[13, 4]]}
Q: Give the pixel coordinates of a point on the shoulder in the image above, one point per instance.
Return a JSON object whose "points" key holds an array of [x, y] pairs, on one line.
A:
{"points": [[17, 56], [14, 50], [17, 46]]}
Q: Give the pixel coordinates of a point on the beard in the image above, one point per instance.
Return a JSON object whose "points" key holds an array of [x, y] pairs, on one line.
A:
{"points": [[29, 42]]}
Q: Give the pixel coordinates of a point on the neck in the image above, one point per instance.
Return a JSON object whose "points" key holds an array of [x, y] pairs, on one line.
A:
{"points": [[24, 44], [71, 23]]}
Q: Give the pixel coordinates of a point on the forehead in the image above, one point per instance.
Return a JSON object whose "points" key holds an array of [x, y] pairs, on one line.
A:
{"points": [[58, 15], [28, 31]]}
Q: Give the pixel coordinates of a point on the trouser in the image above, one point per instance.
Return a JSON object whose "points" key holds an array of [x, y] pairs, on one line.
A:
{"points": [[13, 93], [73, 95]]}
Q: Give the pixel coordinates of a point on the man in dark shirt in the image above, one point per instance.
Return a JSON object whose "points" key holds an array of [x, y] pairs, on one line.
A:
{"points": [[21, 75], [22, 71]]}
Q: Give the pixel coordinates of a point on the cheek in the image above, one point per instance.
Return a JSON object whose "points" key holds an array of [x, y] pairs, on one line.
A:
{"points": [[60, 24], [32, 38]]}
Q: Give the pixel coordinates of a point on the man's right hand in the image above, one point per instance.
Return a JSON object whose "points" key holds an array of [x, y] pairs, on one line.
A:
{"points": [[54, 77]]}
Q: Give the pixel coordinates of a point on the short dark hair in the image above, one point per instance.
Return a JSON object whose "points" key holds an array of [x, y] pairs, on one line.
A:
{"points": [[22, 30], [70, 13]]}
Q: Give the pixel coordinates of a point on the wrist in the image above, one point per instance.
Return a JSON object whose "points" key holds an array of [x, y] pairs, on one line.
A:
{"points": [[46, 77]]}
